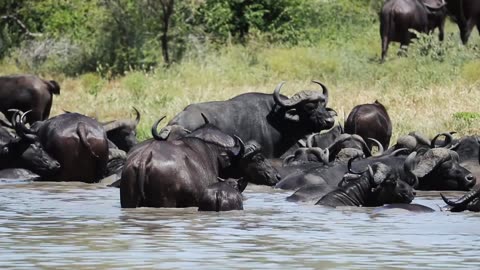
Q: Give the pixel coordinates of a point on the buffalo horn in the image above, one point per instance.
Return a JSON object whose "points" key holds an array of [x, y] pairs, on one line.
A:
{"points": [[154, 129], [349, 165], [22, 130], [287, 160], [205, 119], [324, 90], [365, 148], [464, 200], [120, 123], [310, 140], [448, 140], [277, 98], [379, 145], [408, 167], [241, 144]]}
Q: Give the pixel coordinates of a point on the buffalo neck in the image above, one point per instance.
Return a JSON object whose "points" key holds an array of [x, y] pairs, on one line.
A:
{"points": [[354, 193]]}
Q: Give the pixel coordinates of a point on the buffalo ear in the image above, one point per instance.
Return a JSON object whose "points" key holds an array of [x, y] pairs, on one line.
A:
{"points": [[430, 160], [292, 115]]}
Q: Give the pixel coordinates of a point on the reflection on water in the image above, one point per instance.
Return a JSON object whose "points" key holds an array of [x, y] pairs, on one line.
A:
{"points": [[81, 226]]}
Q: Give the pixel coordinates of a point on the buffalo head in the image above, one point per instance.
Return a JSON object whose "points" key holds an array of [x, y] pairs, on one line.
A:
{"points": [[255, 167], [123, 132], [439, 169], [385, 183], [307, 108]]}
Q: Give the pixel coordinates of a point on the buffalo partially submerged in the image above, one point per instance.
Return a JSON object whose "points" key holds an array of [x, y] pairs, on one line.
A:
{"points": [[123, 133], [175, 173], [27, 92], [470, 201], [370, 121], [77, 142], [272, 120], [376, 186], [222, 196], [23, 151], [466, 13], [398, 16]]}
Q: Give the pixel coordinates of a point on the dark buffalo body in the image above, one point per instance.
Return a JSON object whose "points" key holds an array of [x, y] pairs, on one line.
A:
{"points": [[398, 16], [370, 121], [27, 92], [375, 187], [78, 142], [466, 13], [175, 173], [273, 121], [221, 196]]}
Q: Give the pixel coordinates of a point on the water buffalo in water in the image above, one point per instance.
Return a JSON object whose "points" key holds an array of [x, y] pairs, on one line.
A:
{"points": [[466, 13], [123, 133], [468, 150], [27, 92], [22, 151], [370, 121], [377, 186], [398, 16], [222, 196], [470, 201], [272, 120], [174, 173], [79, 143]]}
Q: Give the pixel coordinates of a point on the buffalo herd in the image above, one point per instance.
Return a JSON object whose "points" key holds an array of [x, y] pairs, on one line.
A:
{"points": [[205, 156], [398, 17]]}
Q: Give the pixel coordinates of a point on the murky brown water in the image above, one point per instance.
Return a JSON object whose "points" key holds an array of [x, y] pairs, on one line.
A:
{"points": [[81, 226]]}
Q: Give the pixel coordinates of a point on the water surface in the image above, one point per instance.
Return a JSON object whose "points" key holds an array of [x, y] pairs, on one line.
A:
{"points": [[81, 226]]}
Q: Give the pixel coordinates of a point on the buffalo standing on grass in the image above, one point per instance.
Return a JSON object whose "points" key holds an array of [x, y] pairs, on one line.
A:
{"points": [[398, 16], [466, 13], [273, 120], [27, 92]]}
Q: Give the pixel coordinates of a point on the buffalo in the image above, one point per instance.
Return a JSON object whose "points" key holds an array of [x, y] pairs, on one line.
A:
{"points": [[370, 121], [25, 93], [79, 143], [174, 173], [272, 120], [469, 201], [398, 16], [466, 13], [222, 196], [376, 186], [123, 133], [22, 151]]}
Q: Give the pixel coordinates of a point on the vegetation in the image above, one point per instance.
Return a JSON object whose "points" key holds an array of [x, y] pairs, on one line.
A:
{"points": [[110, 55]]}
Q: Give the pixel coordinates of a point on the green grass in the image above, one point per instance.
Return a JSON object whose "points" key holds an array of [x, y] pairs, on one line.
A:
{"points": [[436, 88]]}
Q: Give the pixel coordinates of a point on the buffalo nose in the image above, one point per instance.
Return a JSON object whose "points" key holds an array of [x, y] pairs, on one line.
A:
{"points": [[278, 177], [471, 180], [414, 193]]}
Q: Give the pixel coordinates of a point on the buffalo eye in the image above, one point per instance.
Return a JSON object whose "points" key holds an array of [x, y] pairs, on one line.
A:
{"points": [[310, 107]]}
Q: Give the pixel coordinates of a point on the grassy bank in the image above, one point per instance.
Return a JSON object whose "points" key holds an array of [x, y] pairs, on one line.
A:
{"points": [[435, 89]]}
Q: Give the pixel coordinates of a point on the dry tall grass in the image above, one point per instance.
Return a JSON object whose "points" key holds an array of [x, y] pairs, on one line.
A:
{"points": [[429, 93]]}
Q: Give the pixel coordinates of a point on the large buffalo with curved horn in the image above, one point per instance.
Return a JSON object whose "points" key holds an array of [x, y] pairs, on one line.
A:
{"points": [[77, 142], [466, 13], [273, 120], [370, 121], [123, 133], [27, 92], [397, 17]]}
